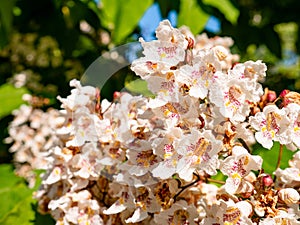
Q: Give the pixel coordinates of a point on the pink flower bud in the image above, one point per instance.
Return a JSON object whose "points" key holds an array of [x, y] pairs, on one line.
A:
{"points": [[284, 93], [267, 180], [116, 95], [271, 96]]}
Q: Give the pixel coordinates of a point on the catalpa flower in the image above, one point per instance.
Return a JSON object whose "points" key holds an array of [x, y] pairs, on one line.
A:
{"points": [[271, 125], [80, 96], [125, 200], [197, 79], [228, 213], [165, 147], [293, 132], [167, 53], [237, 167], [233, 98], [140, 162], [232, 213], [290, 176], [85, 127], [145, 202], [164, 87], [199, 152], [179, 213], [282, 217]]}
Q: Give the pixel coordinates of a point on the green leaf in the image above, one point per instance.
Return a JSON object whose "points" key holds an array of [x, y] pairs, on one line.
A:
{"points": [[15, 193], [191, 15], [138, 86], [230, 12], [10, 98], [6, 18], [19, 207], [121, 17], [270, 157]]}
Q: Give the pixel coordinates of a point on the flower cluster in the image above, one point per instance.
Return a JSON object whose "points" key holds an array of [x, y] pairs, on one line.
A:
{"points": [[32, 133], [139, 160]]}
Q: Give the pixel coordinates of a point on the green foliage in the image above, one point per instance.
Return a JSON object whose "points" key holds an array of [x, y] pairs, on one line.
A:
{"points": [[230, 12], [192, 15], [18, 206], [138, 86], [10, 98], [270, 157], [6, 19], [121, 17]]}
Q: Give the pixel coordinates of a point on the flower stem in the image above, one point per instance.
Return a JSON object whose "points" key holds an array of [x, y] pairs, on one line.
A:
{"points": [[187, 186], [279, 156], [215, 181]]}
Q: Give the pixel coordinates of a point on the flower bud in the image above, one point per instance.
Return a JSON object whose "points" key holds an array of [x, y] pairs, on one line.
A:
{"points": [[289, 195], [271, 96], [267, 180]]}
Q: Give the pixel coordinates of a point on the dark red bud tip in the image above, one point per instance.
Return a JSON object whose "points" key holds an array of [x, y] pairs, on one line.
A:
{"points": [[116, 95], [234, 64], [284, 93], [190, 43]]}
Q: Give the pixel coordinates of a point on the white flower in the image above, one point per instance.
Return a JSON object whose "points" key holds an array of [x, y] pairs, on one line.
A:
{"points": [[229, 213], [179, 213], [125, 199], [289, 177], [87, 163], [289, 195], [270, 125], [197, 78], [293, 132], [233, 98], [165, 32], [237, 167], [199, 151], [281, 218]]}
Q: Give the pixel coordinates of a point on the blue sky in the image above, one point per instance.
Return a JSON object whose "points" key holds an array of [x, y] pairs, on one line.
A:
{"points": [[152, 17]]}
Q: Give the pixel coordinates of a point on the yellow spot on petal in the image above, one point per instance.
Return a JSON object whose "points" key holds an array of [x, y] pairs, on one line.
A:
{"points": [[163, 55], [296, 129], [57, 171], [246, 161], [81, 133], [272, 133], [236, 176], [206, 83], [167, 155], [228, 223]]}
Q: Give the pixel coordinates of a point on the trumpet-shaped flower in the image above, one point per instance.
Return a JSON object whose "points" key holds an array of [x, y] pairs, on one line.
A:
{"points": [[271, 125], [237, 167]]}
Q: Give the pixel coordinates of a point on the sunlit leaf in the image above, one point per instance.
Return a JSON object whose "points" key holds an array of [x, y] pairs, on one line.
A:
{"points": [[138, 87], [10, 98], [15, 194], [18, 206], [230, 12], [270, 157], [191, 15], [122, 16]]}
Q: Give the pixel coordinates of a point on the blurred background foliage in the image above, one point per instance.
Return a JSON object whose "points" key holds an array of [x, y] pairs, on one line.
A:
{"points": [[46, 43]]}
